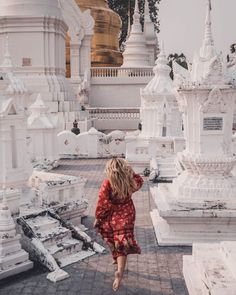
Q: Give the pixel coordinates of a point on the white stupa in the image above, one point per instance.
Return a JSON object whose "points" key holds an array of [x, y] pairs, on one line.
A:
{"points": [[161, 123], [37, 31], [159, 110], [136, 52]]}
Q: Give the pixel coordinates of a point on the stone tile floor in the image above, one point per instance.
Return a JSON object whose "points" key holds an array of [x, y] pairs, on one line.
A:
{"points": [[157, 271]]}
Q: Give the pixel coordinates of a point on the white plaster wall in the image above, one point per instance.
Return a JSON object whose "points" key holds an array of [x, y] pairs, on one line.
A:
{"points": [[116, 124], [117, 92]]}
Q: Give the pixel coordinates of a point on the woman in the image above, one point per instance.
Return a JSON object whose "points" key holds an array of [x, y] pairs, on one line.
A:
{"points": [[115, 213]]}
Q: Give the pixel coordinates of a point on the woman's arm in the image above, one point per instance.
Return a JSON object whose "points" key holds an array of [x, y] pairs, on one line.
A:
{"points": [[138, 182]]}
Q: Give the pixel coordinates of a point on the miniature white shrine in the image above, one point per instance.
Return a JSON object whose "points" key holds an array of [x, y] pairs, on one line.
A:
{"points": [[200, 205], [161, 134], [42, 134], [13, 259]]}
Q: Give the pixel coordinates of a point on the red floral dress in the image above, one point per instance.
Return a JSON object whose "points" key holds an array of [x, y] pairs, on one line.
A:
{"points": [[115, 220]]}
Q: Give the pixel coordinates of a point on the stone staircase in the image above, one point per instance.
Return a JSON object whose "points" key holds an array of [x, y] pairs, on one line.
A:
{"points": [[55, 242], [211, 270], [167, 169]]}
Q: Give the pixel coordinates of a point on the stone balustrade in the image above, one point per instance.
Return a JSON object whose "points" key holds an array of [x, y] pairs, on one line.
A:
{"points": [[115, 118], [114, 113], [117, 72]]}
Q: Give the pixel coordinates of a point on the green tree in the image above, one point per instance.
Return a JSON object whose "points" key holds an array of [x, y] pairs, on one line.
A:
{"points": [[126, 7]]}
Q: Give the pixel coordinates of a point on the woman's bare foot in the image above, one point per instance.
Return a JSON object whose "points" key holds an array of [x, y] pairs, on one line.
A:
{"points": [[117, 281]]}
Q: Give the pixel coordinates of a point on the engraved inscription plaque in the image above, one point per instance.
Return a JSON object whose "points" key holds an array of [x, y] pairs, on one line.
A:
{"points": [[26, 62], [213, 124]]}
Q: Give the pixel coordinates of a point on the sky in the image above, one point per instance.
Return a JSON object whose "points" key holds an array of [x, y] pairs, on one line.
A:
{"points": [[182, 25]]}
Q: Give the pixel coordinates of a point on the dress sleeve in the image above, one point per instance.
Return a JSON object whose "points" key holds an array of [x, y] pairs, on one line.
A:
{"points": [[103, 205], [138, 182]]}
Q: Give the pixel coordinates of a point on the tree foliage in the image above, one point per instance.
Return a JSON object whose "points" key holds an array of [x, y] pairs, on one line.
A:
{"points": [[126, 7]]}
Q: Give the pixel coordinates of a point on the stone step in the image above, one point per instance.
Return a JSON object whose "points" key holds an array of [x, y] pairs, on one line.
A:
{"points": [[67, 247], [166, 164], [51, 238], [16, 269], [43, 223], [168, 172], [169, 160], [212, 269], [75, 257]]}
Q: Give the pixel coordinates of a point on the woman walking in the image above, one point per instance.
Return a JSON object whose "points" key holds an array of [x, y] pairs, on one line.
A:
{"points": [[115, 213]]}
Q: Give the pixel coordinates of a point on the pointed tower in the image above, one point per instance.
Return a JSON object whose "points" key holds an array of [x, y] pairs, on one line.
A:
{"points": [[136, 53], [207, 56], [150, 35]]}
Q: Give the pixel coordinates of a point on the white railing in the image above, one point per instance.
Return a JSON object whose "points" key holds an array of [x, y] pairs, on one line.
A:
{"points": [[114, 113], [115, 72]]}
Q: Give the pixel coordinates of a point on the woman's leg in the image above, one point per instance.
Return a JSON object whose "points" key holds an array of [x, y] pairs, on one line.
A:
{"points": [[121, 262]]}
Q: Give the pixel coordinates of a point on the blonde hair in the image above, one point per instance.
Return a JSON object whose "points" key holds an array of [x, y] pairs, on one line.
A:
{"points": [[121, 177]]}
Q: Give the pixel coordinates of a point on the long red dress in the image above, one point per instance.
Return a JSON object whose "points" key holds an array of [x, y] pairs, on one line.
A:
{"points": [[116, 218]]}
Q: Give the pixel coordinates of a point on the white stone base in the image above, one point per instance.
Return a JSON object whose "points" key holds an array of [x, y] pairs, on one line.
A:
{"points": [[211, 269], [185, 225], [57, 275], [16, 269]]}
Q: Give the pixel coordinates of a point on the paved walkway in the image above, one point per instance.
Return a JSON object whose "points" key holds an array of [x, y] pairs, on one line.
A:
{"points": [[157, 271]]}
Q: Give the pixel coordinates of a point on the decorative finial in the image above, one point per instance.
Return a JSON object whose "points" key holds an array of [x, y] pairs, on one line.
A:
{"points": [[146, 11], [207, 49], [136, 27], [129, 21], [7, 62], [210, 7], [208, 33], [136, 9]]}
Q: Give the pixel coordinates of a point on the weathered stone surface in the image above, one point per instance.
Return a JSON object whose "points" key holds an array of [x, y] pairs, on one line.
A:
{"points": [[211, 269]]}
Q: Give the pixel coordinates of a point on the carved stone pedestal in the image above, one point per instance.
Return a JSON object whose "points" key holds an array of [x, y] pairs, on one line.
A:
{"points": [[13, 259]]}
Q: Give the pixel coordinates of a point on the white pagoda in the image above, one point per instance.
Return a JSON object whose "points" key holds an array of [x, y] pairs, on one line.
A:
{"points": [[200, 205], [136, 52]]}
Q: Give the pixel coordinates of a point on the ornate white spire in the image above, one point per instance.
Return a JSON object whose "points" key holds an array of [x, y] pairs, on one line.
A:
{"points": [[136, 53], [129, 20], [161, 82], [147, 12], [136, 27], [207, 49]]}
